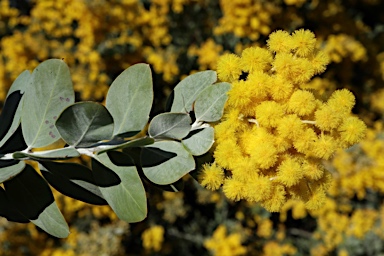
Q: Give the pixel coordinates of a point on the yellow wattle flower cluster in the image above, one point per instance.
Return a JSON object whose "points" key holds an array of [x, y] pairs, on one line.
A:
{"points": [[153, 238], [274, 134], [246, 18], [225, 245]]}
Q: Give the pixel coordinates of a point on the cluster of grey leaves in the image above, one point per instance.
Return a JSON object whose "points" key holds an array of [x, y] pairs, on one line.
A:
{"points": [[40, 109]]}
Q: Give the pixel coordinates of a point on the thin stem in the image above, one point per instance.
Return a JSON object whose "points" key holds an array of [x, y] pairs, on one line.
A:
{"points": [[308, 122], [253, 120]]}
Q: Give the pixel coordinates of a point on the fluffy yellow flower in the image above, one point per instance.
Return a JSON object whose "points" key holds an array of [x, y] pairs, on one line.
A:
{"points": [[319, 60], [316, 199], [280, 41], [302, 103], [296, 70], [324, 146], [259, 83], [304, 142], [258, 189], [268, 113], [228, 153], [290, 172], [228, 67], [352, 130], [233, 189], [280, 88], [255, 59], [290, 126], [312, 169], [327, 118], [240, 96], [277, 199], [211, 176], [304, 42], [343, 100]]}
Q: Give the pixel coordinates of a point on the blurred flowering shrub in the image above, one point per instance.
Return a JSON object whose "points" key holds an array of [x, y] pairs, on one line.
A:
{"points": [[98, 39]]}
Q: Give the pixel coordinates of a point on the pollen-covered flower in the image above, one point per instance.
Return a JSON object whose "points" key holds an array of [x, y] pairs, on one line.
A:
{"points": [[352, 130], [302, 103], [290, 172], [327, 118], [280, 41], [277, 128], [324, 146], [319, 60], [233, 189], [276, 200], [211, 176], [255, 59], [342, 99], [280, 88], [228, 67], [268, 113], [304, 42]]}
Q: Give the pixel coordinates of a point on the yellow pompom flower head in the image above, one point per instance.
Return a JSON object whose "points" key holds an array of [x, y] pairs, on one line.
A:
{"points": [[275, 133]]}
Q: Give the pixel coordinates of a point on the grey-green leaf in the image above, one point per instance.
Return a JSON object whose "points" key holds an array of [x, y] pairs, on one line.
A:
{"points": [[21, 82], [127, 199], [170, 125], [10, 171], [129, 99], [199, 141], [48, 93], [52, 221], [84, 124], [165, 162], [209, 105], [189, 88], [54, 154], [33, 198]]}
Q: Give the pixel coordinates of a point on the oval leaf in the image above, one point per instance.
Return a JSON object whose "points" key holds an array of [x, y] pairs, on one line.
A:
{"points": [[9, 169], [129, 99], [84, 124], [48, 93], [127, 199], [165, 162], [33, 198], [20, 83], [209, 105], [170, 125], [199, 141], [186, 92], [73, 180]]}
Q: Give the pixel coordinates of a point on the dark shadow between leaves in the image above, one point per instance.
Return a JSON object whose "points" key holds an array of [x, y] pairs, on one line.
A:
{"points": [[120, 159], [29, 192], [73, 180], [151, 156], [103, 176], [190, 134], [15, 143], [8, 210], [8, 112]]}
